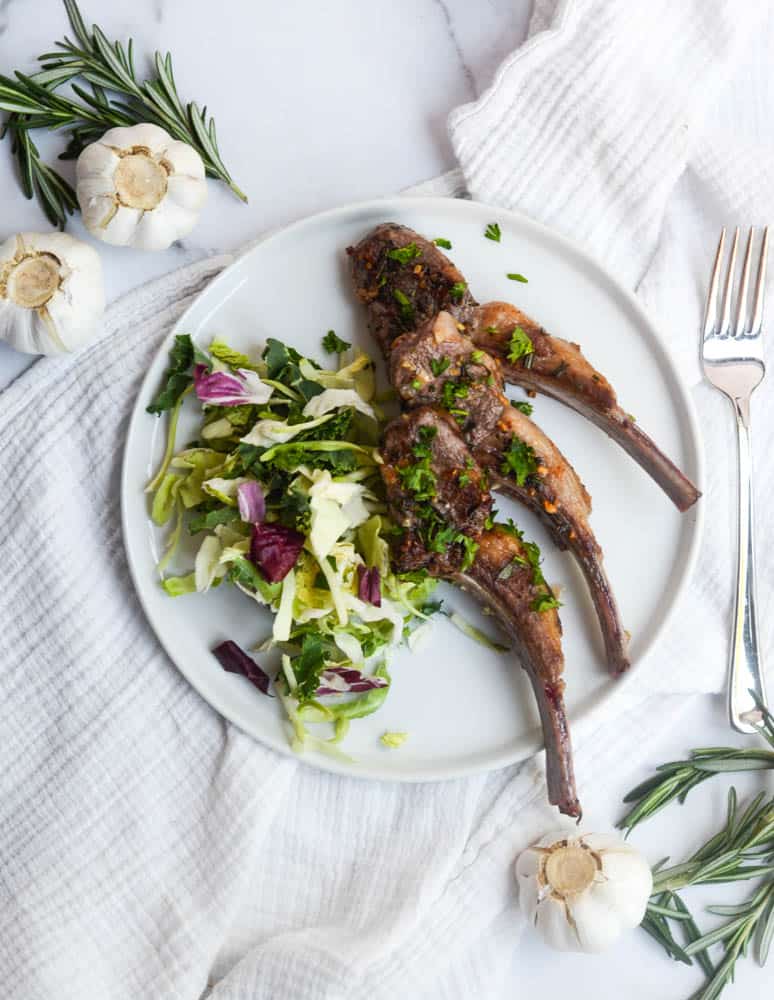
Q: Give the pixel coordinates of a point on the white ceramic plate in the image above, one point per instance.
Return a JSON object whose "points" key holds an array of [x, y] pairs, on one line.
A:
{"points": [[465, 708]]}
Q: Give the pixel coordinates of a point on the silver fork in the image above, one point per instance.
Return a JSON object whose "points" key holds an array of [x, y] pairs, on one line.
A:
{"points": [[733, 362]]}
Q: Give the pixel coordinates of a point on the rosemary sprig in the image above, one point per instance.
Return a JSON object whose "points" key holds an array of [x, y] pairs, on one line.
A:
{"points": [[116, 97], [676, 779], [743, 849], [56, 196]]}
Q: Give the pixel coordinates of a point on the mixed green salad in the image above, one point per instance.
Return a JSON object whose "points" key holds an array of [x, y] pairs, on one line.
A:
{"points": [[283, 490]]}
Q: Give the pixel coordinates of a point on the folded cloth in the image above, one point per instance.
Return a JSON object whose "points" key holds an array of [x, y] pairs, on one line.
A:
{"points": [[148, 848]]}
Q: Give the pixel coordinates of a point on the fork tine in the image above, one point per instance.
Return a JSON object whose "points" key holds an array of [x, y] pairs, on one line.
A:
{"points": [[728, 287], [741, 305], [760, 283], [712, 295]]}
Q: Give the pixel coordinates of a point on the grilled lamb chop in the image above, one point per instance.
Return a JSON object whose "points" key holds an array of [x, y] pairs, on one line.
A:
{"points": [[438, 365], [557, 368], [438, 495], [405, 280]]}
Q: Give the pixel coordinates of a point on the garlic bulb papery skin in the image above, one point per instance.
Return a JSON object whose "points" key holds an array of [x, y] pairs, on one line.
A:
{"points": [[51, 292], [583, 891], [139, 187]]}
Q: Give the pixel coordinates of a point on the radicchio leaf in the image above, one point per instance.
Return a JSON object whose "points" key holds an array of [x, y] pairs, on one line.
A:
{"points": [[236, 661], [274, 550], [347, 680], [230, 389], [252, 502], [369, 586]]}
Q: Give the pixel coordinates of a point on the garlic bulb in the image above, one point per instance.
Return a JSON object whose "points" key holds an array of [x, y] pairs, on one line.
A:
{"points": [[51, 294], [139, 187], [582, 891]]}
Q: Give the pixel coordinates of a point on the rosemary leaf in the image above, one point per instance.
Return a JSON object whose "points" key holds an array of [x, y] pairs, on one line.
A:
{"points": [[766, 933], [719, 934], [117, 97], [692, 933], [665, 911]]}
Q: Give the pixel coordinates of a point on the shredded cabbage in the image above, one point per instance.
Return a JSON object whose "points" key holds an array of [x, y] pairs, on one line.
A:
{"points": [[268, 432], [301, 450], [284, 617], [476, 634], [332, 399], [207, 565]]}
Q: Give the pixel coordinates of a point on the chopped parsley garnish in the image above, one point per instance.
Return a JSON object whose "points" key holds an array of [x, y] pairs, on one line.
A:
{"points": [[422, 448], [471, 548], [523, 407], [457, 291], [332, 344], [464, 477], [520, 461], [476, 356], [419, 479], [492, 232], [416, 384], [518, 277], [519, 345], [406, 308], [545, 602], [439, 365], [452, 391], [441, 242], [509, 527], [531, 558], [404, 255]]}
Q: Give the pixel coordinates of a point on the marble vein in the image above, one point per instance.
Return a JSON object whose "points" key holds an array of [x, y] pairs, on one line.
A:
{"points": [[466, 70], [5, 5]]}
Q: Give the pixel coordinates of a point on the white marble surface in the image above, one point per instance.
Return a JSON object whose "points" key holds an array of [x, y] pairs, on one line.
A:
{"points": [[317, 105]]}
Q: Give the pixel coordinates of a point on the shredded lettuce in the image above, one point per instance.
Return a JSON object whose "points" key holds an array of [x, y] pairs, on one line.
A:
{"points": [[165, 498], [224, 490], [296, 460], [220, 428], [208, 565], [235, 359], [284, 617], [170, 446], [177, 585], [172, 542], [475, 633], [268, 432], [393, 740], [333, 399]]}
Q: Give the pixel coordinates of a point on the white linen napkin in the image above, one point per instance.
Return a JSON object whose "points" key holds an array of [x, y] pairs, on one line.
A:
{"points": [[148, 848]]}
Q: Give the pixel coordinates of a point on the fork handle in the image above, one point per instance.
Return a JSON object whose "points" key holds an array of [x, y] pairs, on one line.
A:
{"points": [[745, 669]]}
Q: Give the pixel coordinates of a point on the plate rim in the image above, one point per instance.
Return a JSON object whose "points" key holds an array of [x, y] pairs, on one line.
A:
{"points": [[496, 760]]}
